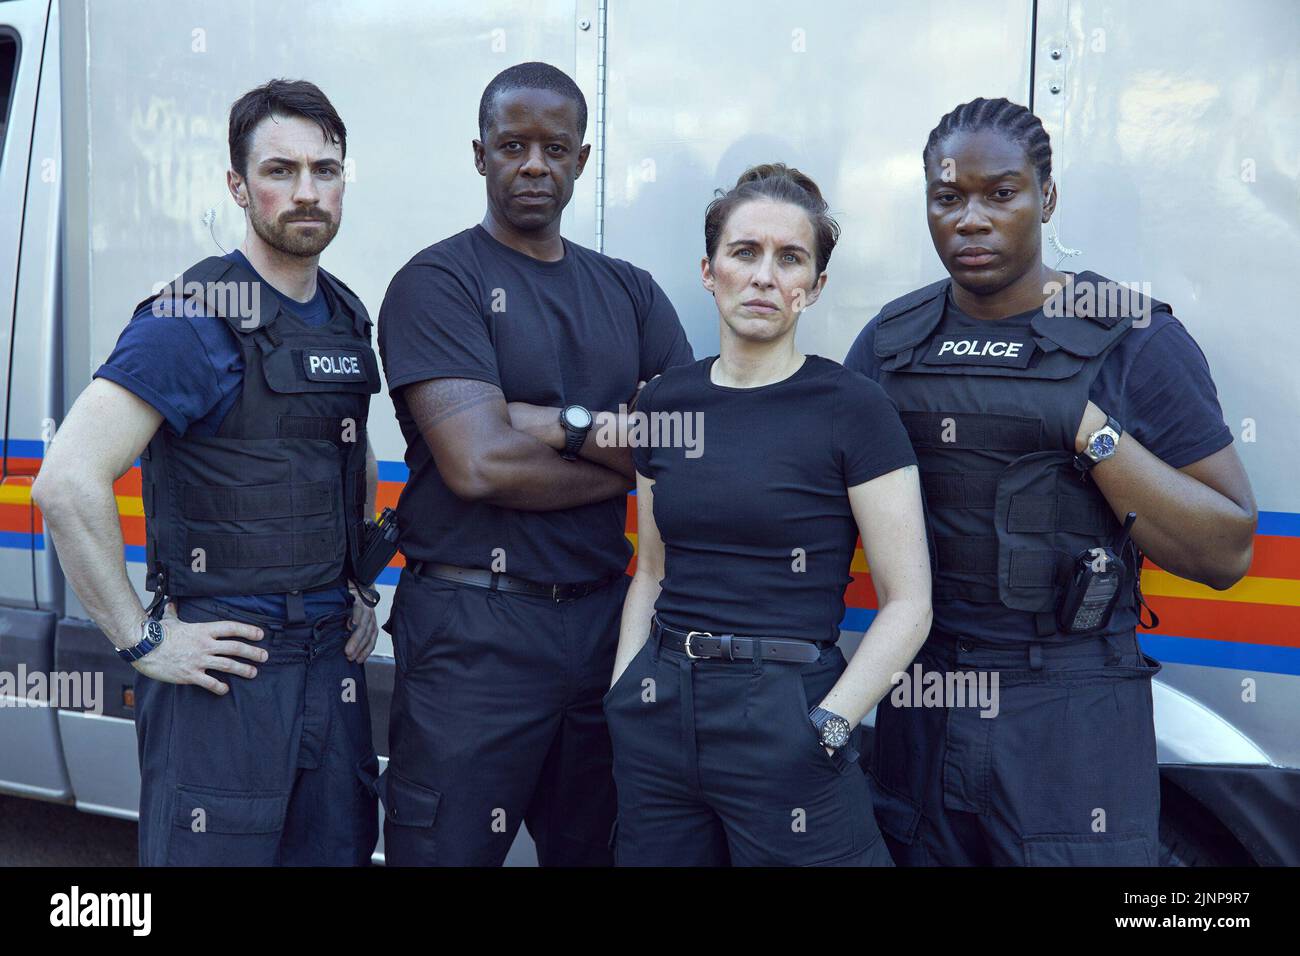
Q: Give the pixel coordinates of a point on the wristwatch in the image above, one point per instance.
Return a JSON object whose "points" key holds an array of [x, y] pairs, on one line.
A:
{"points": [[152, 635], [577, 422], [833, 730], [1100, 445]]}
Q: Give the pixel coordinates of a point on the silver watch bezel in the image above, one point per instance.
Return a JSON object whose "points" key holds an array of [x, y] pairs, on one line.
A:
{"points": [[1103, 430], [148, 628], [564, 417]]}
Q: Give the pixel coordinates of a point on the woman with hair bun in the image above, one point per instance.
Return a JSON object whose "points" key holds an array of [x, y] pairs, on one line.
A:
{"points": [[733, 714]]}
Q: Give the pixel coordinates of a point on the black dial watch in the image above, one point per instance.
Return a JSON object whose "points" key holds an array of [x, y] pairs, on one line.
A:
{"points": [[577, 422], [152, 635], [833, 730]]}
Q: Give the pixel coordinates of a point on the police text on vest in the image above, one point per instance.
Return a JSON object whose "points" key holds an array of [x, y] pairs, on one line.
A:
{"points": [[333, 365], [976, 347]]}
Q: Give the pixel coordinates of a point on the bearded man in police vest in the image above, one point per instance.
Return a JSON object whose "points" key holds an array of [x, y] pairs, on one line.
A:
{"points": [[1045, 408], [243, 387]]}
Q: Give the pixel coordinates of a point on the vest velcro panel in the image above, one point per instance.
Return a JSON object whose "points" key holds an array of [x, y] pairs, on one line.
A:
{"points": [[955, 489], [265, 550], [973, 430], [261, 501]]}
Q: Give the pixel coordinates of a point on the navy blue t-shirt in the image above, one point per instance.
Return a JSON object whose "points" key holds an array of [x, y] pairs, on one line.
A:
{"points": [[583, 330], [1155, 382], [191, 370], [753, 509]]}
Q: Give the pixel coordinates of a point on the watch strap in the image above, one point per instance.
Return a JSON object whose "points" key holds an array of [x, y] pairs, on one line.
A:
{"points": [[146, 644], [573, 439]]}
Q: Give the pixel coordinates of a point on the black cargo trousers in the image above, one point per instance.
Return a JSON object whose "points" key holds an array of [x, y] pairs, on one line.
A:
{"points": [[280, 770], [496, 721], [1060, 771], [717, 764]]}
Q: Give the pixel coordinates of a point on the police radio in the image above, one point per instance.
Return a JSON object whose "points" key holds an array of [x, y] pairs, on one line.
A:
{"points": [[1095, 585], [378, 545]]}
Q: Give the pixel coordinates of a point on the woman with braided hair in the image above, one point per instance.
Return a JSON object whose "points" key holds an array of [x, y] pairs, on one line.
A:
{"points": [[1046, 410]]}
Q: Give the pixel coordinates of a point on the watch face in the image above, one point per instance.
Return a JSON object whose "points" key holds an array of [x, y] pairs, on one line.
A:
{"points": [[835, 732], [575, 416], [154, 632], [1103, 446]]}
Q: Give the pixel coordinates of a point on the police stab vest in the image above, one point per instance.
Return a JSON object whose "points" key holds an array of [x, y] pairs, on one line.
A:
{"points": [[992, 414], [274, 502]]}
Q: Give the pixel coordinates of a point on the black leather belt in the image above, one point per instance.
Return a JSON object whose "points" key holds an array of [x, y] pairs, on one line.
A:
{"points": [[495, 581], [702, 644]]}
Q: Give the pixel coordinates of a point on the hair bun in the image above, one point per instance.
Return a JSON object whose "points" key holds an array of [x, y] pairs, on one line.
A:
{"points": [[768, 171]]}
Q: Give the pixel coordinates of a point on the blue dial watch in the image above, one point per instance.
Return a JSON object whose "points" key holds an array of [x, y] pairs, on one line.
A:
{"points": [[153, 636], [1100, 446]]}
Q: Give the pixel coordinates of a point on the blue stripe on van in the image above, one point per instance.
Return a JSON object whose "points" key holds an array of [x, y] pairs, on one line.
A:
{"points": [[1285, 524], [24, 448], [1247, 657]]}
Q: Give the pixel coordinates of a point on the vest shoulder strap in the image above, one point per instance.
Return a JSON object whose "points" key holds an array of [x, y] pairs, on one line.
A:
{"points": [[909, 320], [1092, 313], [350, 301], [176, 292], [226, 289]]}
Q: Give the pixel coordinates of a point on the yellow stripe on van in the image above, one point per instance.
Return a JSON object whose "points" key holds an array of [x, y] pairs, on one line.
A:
{"points": [[1283, 591], [130, 507], [17, 493]]}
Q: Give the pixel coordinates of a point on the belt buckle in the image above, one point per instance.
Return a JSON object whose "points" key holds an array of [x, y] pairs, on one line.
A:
{"points": [[689, 653]]}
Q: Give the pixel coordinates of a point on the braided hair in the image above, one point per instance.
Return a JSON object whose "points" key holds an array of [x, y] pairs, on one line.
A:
{"points": [[1000, 115]]}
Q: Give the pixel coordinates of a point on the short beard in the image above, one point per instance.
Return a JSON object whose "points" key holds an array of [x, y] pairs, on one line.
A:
{"points": [[280, 236]]}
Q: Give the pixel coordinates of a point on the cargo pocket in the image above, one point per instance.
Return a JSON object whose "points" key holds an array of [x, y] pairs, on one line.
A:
{"points": [[896, 814], [226, 827], [1088, 851], [406, 803], [409, 812]]}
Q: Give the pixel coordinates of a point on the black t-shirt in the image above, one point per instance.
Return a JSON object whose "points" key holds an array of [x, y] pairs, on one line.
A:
{"points": [[583, 330], [1155, 382], [757, 528]]}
